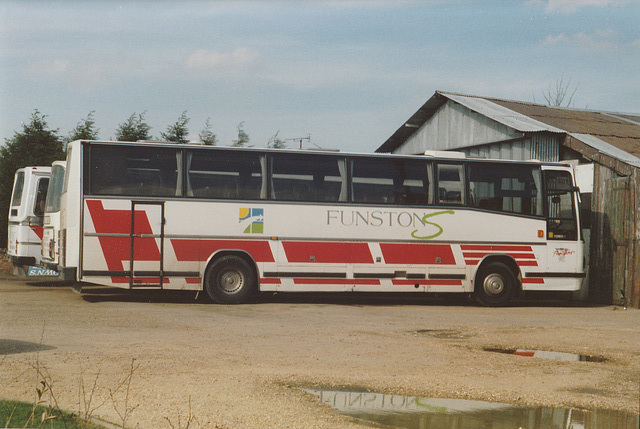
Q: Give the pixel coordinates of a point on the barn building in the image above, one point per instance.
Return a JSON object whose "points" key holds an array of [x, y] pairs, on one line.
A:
{"points": [[604, 147]]}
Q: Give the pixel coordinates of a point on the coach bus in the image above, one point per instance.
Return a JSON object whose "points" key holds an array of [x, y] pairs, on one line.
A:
{"points": [[235, 221], [51, 220], [26, 211]]}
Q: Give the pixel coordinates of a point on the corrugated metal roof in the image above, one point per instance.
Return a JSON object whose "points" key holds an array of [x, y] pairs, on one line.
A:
{"points": [[616, 134], [501, 114], [607, 149], [618, 130]]}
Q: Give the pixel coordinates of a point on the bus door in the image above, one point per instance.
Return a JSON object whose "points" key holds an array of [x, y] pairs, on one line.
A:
{"points": [[565, 247], [146, 244]]}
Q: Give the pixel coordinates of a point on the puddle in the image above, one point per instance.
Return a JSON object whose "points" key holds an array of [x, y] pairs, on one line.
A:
{"points": [[9, 347], [544, 354], [414, 412]]}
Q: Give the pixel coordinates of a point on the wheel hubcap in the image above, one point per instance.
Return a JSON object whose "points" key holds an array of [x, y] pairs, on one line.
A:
{"points": [[493, 284], [231, 281]]}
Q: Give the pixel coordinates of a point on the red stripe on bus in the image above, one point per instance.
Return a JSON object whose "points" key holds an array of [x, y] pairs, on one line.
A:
{"points": [[527, 263], [200, 250], [118, 249], [336, 281], [270, 281], [495, 248], [397, 253], [327, 252], [193, 280], [428, 282], [38, 230], [533, 281], [471, 261]]}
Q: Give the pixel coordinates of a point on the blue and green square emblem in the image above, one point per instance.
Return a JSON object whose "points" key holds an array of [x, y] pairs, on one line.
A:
{"points": [[254, 218]]}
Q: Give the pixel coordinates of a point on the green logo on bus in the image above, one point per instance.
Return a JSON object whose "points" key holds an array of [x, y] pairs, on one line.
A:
{"points": [[414, 234], [254, 218]]}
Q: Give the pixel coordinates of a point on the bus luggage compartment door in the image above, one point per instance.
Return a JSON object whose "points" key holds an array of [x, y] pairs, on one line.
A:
{"points": [[147, 244]]}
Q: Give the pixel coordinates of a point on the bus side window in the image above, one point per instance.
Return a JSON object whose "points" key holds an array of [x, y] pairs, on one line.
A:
{"points": [[41, 197], [224, 175], [133, 171], [390, 181], [451, 184], [511, 188], [308, 178], [18, 188]]}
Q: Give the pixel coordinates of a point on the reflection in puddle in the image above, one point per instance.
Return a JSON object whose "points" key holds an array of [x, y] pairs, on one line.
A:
{"points": [[9, 347], [545, 354], [414, 412]]}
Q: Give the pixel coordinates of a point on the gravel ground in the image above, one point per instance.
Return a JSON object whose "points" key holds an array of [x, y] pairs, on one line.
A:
{"points": [[161, 360]]}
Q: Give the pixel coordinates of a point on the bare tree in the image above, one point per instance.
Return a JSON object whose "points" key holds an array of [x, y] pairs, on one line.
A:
{"points": [[555, 95]]}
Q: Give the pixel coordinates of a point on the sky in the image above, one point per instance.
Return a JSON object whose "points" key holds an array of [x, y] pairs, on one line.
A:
{"points": [[347, 74]]}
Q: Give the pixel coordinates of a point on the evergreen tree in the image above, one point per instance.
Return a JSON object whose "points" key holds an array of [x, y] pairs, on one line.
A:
{"points": [[177, 132], [133, 129], [35, 145], [207, 136], [84, 130], [276, 142], [243, 137]]}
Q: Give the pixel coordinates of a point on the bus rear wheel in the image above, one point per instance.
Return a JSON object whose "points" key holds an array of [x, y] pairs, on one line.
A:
{"points": [[496, 285], [230, 280]]}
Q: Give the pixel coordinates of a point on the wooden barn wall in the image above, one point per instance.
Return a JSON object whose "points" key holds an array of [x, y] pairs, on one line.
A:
{"points": [[615, 238], [634, 286]]}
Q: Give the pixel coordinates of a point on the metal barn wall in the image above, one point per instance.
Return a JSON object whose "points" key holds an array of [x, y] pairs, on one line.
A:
{"points": [[543, 147], [453, 127]]}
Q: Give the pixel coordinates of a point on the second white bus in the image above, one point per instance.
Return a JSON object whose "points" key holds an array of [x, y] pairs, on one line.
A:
{"points": [[26, 212], [51, 219]]}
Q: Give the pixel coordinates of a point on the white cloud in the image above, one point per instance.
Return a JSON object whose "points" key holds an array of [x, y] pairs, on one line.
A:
{"points": [[553, 39], [83, 75], [596, 40], [48, 67], [239, 59], [570, 6]]}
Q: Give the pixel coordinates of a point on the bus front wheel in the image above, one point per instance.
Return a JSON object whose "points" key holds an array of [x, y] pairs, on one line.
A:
{"points": [[496, 285], [230, 280]]}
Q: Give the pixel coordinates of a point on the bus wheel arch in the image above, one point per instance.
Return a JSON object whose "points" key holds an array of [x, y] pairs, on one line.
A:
{"points": [[231, 277], [497, 281]]}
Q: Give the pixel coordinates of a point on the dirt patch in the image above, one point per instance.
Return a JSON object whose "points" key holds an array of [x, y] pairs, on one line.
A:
{"points": [[6, 267], [166, 358], [451, 334]]}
